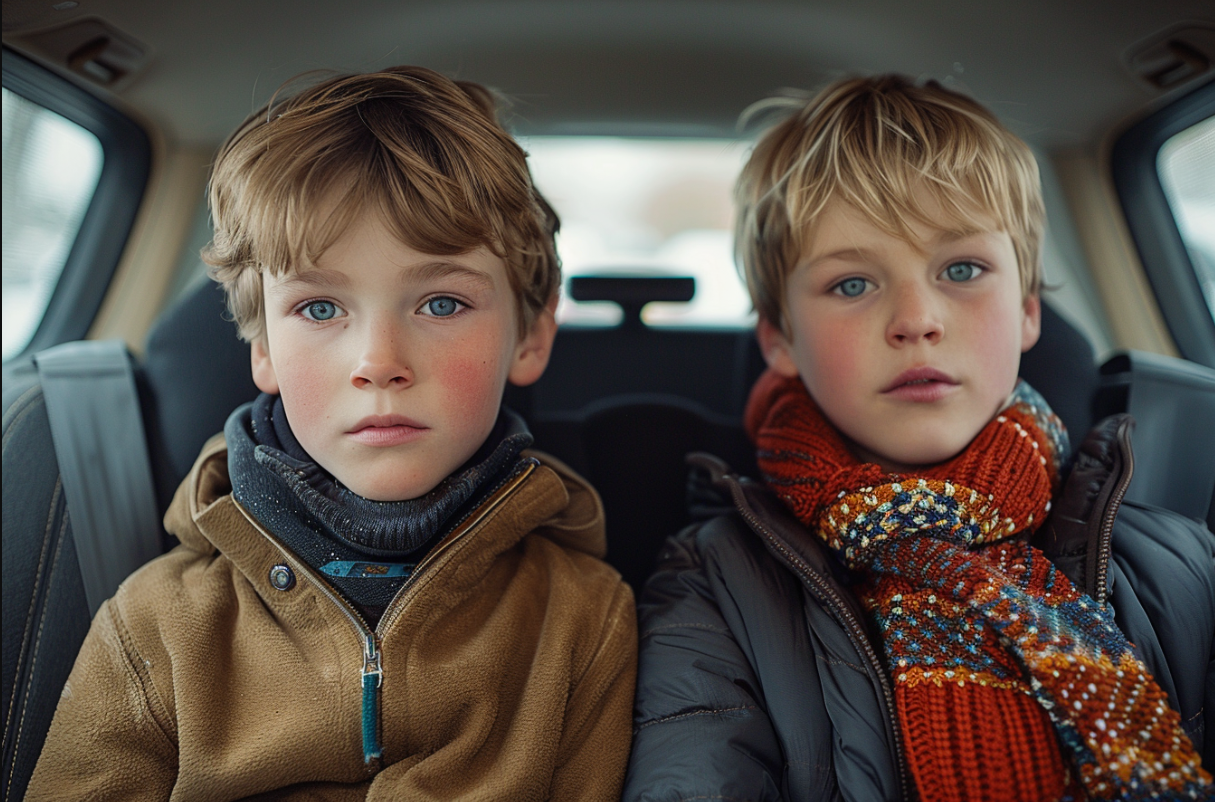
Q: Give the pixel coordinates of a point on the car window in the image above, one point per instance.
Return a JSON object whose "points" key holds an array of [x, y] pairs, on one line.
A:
{"points": [[1187, 172], [51, 171], [631, 205], [1159, 166]]}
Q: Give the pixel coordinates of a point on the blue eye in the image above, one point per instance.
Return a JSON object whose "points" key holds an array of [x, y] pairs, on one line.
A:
{"points": [[961, 271], [442, 307], [851, 287], [321, 310]]}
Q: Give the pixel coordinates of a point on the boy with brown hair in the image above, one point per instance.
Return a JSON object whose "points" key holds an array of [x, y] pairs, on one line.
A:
{"points": [[918, 601], [379, 593]]}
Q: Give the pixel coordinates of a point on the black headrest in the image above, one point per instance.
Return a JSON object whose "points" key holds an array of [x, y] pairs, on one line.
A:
{"points": [[196, 371], [632, 292], [1063, 368]]}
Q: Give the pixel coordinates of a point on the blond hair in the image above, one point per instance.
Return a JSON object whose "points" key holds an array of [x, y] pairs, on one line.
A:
{"points": [[426, 153], [897, 153]]}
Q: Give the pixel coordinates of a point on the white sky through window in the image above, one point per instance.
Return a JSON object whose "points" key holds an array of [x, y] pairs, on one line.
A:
{"points": [[1187, 171], [646, 206]]}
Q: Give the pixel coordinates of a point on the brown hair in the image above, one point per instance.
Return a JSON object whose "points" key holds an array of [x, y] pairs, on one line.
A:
{"points": [[882, 145], [426, 153]]}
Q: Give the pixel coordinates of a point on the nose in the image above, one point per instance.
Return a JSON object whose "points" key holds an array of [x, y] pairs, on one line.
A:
{"points": [[915, 317], [382, 362]]}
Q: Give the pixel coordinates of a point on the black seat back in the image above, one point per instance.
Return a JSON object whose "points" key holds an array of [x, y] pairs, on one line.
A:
{"points": [[1173, 403], [46, 613], [624, 406], [195, 372], [1063, 368], [635, 447]]}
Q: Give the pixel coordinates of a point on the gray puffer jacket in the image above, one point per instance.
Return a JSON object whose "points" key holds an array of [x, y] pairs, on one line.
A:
{"points": [[760, 679]]}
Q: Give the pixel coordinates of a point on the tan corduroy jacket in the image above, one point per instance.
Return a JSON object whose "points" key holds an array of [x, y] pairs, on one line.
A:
{"points": [[507, 665]]}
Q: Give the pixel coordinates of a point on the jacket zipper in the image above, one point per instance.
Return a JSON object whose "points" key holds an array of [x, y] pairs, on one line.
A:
{"points": [[371, 642], [856, 633], [1106, 533], [373, 678]]}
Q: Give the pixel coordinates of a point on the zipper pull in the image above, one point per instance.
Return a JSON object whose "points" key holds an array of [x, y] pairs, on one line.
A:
{"points": [[373, 678]]}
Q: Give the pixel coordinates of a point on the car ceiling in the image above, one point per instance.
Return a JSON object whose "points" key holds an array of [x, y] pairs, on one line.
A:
{"points": [[1054, 71]]}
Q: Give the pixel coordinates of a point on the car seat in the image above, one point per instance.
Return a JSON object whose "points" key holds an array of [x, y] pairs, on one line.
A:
{"points": [[194, 372]]}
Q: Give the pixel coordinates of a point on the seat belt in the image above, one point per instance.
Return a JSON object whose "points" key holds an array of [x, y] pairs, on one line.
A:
{"points": [[97, 430]]}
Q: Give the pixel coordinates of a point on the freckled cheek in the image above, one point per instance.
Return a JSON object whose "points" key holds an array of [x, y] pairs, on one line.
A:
{"points": [[307, 385], [995, 337], [470, 384], [832, 362], [472, 369]]}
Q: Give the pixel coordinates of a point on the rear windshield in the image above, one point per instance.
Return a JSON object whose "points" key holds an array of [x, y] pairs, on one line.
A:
{"points": [[646, 206]]}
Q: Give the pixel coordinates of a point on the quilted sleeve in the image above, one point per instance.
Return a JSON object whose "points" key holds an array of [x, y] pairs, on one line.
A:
{"points": [[1164, 597], [700, 732]]}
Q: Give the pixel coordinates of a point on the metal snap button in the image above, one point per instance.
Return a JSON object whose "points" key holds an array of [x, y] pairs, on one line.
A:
{"points": [[282, 577]]}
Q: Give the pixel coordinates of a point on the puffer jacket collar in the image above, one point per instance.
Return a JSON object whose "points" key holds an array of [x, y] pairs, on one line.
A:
{"points": [[1077, 534], [1076, 537], [546, 499]]}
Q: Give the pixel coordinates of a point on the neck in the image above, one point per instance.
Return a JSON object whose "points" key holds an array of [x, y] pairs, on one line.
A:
{"points": [[863, 454]]}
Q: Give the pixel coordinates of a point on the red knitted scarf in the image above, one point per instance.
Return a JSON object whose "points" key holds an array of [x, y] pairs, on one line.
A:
{"points": [[1009, 683]]}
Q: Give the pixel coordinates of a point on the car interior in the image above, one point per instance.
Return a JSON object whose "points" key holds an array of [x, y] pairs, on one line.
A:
{"points": [[632, 111]]}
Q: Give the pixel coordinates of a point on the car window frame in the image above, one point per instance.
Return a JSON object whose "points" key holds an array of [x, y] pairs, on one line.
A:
{"points": [[1153, 226], [107, 222]]}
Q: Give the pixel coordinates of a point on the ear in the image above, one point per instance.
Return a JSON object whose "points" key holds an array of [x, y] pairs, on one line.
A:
{"points": [[1031, 321], [263, 370], [776, 348], [535, 347]]}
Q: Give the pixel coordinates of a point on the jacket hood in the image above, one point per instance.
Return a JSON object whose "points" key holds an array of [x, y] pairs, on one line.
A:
{"points": [[553, 502]]}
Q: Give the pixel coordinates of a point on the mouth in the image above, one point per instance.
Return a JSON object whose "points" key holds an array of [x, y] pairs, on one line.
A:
{"points": [[920, 384], [386, 430]]}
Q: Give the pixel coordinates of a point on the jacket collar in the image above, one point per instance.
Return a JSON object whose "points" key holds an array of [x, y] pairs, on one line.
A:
{"points": [[1077, 534], [552, 502]]}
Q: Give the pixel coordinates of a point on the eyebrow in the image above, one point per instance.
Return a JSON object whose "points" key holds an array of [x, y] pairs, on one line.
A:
{"points": [[443, 269], [315, 277], [425, 271], [844, 255], [864, 254]]}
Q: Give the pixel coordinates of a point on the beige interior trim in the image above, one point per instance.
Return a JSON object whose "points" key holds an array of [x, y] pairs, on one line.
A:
{"points": [[1130, 306], [145, 273]]}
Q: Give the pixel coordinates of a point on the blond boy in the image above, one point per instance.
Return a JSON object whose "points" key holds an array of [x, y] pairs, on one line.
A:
{"points": [[874, 621], [378, 593]]}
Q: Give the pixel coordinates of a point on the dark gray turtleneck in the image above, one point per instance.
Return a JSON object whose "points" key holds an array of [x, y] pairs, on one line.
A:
{"points": [[366, 549]]}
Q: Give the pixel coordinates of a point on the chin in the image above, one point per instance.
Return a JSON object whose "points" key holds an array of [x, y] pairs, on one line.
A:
{"points": [[377, 491], [913, 457], [929, 458]]}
